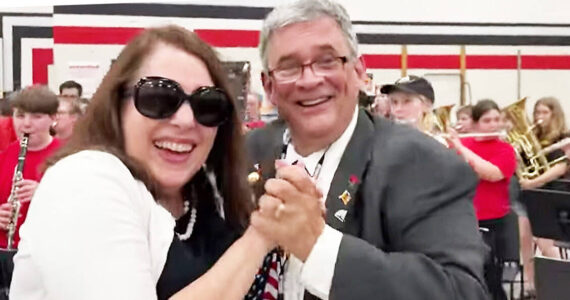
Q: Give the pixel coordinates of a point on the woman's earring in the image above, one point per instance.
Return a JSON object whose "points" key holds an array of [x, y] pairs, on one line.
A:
{"points": [[211, 176]]}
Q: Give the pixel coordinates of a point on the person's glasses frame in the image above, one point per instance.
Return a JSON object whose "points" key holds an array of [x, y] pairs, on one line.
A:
{"points": [[321, 66], [210, 105]]}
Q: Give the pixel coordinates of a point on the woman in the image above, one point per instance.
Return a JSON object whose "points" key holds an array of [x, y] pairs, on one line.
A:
{"points": [[95, 230], [494, 162], [551, 125], [411, 102]]}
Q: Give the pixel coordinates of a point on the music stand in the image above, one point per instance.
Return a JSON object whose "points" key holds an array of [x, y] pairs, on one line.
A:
{"points": [[549, 215], [551, 278], [561, 184]]}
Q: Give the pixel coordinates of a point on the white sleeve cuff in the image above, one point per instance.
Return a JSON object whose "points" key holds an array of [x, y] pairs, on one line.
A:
{"points": [[318, 270]]}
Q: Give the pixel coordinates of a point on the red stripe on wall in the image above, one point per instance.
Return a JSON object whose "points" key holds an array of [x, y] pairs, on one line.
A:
{"points": [[122, 35], [502, 62], [487, 62], [41, 59], [433, 61], [559, 62], [229, 38], [250, 39], [382, 61], [94, 35]]}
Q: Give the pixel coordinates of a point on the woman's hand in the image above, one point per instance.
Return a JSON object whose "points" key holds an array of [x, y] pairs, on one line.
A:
{"points": [[525, 183], [452, 138]]}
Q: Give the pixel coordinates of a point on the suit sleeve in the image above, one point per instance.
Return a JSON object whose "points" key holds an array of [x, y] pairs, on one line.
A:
{"points": [[430, 248]]}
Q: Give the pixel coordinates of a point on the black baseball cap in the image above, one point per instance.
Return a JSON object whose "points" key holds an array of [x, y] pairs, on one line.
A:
{"points": [[410, 84]]}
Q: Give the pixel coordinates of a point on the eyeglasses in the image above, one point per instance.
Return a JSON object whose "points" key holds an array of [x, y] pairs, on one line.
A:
{"points": [[160, 98], [322, 66], [68, 96]]}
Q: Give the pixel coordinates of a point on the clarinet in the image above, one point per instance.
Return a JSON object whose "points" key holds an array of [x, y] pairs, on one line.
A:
{"points": [[12, 199]]}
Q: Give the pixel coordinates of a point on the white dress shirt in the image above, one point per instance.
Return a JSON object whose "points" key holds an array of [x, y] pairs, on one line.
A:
{"points": [[317, 272]]}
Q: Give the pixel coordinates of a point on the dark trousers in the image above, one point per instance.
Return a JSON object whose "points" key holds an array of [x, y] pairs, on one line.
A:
{"points": [[494, 238]]}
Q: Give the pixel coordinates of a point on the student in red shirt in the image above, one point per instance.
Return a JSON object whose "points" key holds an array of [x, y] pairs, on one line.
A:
{"points": [[7, 134], [252, 112], [34, 113], [494, 162]]}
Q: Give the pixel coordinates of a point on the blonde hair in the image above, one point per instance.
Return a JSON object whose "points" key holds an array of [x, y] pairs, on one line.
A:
{"points": [[557, 125], [427, 122]]}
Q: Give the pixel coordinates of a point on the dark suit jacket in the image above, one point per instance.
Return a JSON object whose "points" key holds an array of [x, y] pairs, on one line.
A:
{"points": [[410, 231]]}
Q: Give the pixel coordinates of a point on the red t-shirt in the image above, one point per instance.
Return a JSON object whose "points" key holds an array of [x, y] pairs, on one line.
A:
{"points": [[254, 124], [32, 165], [7, 133], [491, 199]]}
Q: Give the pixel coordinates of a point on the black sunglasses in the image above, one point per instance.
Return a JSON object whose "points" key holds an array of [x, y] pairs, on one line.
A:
{"points": [[160, 98]]}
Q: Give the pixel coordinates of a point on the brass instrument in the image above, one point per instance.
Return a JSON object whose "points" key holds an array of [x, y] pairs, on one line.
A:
{"points": [[532, 161], [12, 199], [441, 118]]}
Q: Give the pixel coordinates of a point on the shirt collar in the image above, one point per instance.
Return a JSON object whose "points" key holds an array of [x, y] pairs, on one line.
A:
{"points": [[336, 148]]}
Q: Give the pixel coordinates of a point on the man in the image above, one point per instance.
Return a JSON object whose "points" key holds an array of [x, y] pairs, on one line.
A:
{"points": [[392, 228], [70, 90], [34, 112], [381, 106], [252, 114], [68, 113]]}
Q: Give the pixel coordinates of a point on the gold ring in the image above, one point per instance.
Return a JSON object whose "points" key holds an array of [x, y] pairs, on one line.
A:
{"points": [[279, 209]]}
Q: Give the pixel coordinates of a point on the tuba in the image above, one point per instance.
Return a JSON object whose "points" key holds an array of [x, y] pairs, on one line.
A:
{"points": [[532, 161]]}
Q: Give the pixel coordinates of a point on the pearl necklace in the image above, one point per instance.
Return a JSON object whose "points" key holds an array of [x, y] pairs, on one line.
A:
{"points": [[190, 227]]}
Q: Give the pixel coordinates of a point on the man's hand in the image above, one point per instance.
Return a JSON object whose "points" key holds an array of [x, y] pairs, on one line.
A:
{"points": [[26, 189], [290, 211]]}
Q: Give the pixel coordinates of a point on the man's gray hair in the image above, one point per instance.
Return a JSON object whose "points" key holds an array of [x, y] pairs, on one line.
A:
{"points": [[303, 11]]}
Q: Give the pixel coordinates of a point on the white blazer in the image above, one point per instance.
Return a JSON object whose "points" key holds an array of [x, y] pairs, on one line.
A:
{"points": [[92, 232]]}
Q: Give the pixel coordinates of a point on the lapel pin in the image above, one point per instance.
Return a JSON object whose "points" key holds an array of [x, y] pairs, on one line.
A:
{"points": [[254, 176], [345, 197], [340, 214]]}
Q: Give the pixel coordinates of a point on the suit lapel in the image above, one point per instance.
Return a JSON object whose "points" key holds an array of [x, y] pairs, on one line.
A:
{"points": [[344, 192], [267, 163]]}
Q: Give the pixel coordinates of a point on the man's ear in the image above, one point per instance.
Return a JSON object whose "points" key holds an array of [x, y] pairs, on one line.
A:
{"points": [[360, 69], [268, 87]]}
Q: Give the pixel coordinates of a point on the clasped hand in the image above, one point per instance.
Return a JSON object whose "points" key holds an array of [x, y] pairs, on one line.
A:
{"points": [[291, 212]]}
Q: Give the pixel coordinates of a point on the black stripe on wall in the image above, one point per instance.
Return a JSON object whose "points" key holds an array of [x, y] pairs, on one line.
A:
{"points": [[166, 10], [2, 15], [242, 12], [442, 39], [18, 33], [465, 24]]}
